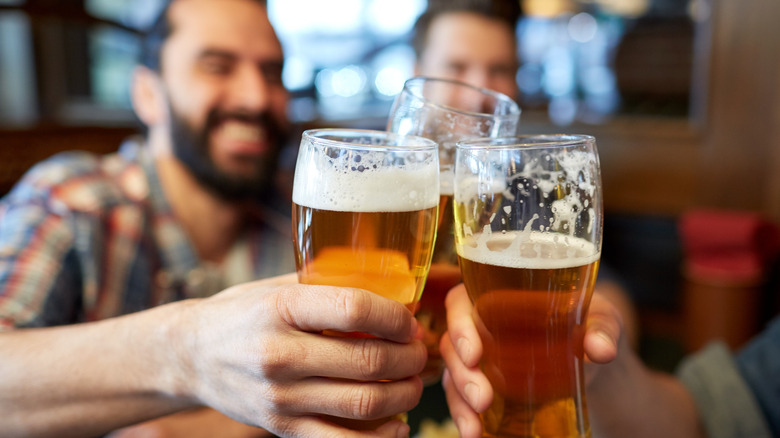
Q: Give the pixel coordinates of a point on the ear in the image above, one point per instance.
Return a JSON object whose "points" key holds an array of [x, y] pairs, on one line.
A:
{"points": [[148, 96]]}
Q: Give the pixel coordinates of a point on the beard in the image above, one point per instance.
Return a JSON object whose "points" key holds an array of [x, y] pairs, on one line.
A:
{"points": [[191, 146]]}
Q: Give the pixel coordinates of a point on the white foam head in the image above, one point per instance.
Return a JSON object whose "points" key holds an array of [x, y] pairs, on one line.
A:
{"points": [[363, 180], [528, 250]]}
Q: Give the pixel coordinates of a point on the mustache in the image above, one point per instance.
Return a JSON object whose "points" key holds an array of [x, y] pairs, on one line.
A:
{"points": [[215, 117]]}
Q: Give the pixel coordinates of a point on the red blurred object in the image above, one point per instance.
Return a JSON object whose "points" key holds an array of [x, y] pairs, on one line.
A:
{"points": [[726, 259], [728, 246]]}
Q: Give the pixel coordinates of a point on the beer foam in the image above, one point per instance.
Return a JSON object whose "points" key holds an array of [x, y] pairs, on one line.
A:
{"points": [[367, 189], [528, 250]]}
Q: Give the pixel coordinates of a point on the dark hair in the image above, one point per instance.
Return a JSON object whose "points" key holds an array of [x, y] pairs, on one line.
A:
{"points": [[507, 11], [154, 37]]}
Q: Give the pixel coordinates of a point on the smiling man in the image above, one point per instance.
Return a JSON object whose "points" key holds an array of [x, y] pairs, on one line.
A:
{"points": [[110, 267]]}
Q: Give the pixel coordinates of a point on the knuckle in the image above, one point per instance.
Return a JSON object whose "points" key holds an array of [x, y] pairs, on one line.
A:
{"points": [[274, 358], [367, 403], [353, 306], [372, 359]]}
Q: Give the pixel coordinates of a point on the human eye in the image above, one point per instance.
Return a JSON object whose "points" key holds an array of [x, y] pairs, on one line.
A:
{"points": [[216, 64], [272, 71], [456, 68]]}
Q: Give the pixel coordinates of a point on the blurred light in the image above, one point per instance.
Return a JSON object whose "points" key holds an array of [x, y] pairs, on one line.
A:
{"points": [[699, 10], [298, 73], [324, 83], [558, 81], [134, 13], [598, 80], [349, 81], [389, 81], [312, 16], [625, 8], [392, 65], [562, 110], [582, 27], [394, 17], [547, 8], [302, 109], [558, 77], [529, 79]]}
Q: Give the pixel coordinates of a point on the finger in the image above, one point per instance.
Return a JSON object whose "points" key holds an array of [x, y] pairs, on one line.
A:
{"points": [[460, 325], [364, 359], [317, 308], [465, 418], [604, 330], [349, 399], [470, 382]]}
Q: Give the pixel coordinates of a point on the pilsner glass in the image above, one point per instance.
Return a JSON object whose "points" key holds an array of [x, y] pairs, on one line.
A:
{"points": [[447, 111], [364, 215], [528, 221]]}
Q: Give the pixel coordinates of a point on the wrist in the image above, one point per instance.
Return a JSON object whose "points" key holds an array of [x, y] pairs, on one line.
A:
{"points": [[174, 337]]}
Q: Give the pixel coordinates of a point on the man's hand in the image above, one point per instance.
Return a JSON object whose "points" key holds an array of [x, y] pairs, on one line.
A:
{"points": [[468, 390], [258, 355]]}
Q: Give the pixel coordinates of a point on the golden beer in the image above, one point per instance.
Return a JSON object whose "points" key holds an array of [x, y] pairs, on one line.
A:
{"points": [[531, 292], [443, 276], [365, 209], [387, 253]]}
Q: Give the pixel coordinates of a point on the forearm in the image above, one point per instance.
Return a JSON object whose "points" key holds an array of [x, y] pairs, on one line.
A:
{"points": [[628, 399], [88, 379]]}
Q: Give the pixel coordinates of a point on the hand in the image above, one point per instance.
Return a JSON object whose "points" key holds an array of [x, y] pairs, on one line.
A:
{"points": [[256, 352], [468, 390]]}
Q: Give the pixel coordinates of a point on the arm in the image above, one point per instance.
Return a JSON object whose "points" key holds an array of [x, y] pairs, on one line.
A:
{"points": [[253, 352], [624, 397], [195, 423]]}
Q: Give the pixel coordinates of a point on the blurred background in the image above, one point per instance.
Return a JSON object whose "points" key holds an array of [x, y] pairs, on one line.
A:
{"points": [[683, 97]]}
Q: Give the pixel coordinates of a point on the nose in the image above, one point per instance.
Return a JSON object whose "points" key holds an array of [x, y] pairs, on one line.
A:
{"points": [[249, 89]]}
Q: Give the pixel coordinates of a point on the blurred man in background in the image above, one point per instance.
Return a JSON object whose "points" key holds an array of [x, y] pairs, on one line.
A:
{"points": [[174, 219], [474, 41], [471, 41]]}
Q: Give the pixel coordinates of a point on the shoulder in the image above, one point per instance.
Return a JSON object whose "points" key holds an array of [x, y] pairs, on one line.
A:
{"points": [[81, 181], [727, 405]]}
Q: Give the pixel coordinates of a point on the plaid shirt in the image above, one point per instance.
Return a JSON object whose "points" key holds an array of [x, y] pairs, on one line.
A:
{"points": [[84, 238]]}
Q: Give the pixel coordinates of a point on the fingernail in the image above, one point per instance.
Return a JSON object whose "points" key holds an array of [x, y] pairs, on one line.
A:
{"points": [[464, 348], [471, 391]]}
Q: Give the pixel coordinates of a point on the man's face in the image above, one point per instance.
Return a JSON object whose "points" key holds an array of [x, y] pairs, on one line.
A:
{"points": [[473, 49], [222, 71]]}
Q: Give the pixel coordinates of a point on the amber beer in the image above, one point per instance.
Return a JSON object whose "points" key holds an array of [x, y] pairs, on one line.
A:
{"points": [[385, 252], [365, 207], [531, 292], [443, 276]]}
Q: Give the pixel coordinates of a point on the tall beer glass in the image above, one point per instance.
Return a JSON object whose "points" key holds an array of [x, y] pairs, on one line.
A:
{"points": [[364, 214], [447, 111], [528, 221]]}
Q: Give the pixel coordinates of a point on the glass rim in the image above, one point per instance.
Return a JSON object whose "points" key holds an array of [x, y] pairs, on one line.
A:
{"points": [[320, 136], [525, 141], [515, 108]]}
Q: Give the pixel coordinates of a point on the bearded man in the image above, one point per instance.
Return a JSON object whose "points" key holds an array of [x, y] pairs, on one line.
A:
{"points": [[91, 246]]}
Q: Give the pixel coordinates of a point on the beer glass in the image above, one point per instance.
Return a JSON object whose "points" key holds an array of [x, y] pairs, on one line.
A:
{"points": [[364, 214], [528, 224], [447, 111]]}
